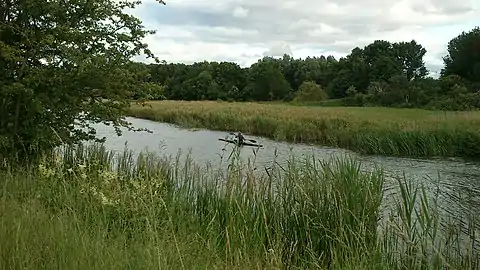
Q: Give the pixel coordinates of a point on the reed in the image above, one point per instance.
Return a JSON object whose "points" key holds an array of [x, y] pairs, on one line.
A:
{"points": [[85, 207], [385, 131]]}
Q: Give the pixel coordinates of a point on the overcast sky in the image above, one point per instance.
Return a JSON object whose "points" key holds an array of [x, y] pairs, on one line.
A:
{"points": [[244, 31]]}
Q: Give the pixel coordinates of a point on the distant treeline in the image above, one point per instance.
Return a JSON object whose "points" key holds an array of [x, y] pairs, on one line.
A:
{"points": [[380, 74], [66, 64]]}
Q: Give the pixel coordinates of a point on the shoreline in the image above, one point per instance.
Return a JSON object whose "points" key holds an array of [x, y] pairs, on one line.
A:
{"points": [[370, 131], [323, 214]]}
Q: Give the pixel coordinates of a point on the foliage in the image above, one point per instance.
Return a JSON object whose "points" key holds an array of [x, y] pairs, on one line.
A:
{"points": [[149, 91], [144, 88], [385, 131], [397, 68], [463, 57], [88, 208], [266, 81], [65, 63], [309, 91]]}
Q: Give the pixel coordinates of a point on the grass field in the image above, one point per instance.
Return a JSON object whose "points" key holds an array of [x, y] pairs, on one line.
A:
{"points": [[80, 211], [385, 131]]}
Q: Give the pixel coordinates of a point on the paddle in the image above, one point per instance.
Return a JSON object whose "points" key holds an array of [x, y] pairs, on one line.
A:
{"points": [[234, 134]]}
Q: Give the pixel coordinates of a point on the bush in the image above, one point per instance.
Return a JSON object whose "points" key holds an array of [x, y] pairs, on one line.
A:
{"points": [[310, 91], [354, 98]]}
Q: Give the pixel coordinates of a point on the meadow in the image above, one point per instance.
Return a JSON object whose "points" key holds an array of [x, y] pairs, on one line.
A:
{"points": [[88, 208], [384, 131]]}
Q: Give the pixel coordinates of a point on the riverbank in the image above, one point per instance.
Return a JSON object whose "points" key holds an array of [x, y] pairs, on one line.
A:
{"points": [[384, 131], [79, 211]]}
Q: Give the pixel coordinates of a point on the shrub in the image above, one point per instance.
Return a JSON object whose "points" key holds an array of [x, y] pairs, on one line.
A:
{"points": [[309, 91]]}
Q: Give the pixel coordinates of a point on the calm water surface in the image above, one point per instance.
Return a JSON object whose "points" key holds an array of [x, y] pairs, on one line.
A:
{"points": [[458, 180]]}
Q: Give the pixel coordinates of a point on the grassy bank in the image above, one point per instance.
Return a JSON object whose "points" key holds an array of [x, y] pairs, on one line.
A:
{"points": [[385, 131], [81, 211]]}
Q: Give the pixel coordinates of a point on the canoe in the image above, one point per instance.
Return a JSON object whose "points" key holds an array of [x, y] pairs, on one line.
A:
{"points": [[245, 143]]}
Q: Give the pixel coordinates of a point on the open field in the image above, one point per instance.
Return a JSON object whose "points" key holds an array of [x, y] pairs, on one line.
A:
{"points": [[386, 131], [79, 211]]}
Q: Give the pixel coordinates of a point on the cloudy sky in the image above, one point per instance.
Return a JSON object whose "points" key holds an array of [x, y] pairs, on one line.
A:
{"points": [[244, 31]]}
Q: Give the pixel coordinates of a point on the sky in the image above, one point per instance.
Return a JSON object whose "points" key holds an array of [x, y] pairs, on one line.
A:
{"points": [[244, 31]]}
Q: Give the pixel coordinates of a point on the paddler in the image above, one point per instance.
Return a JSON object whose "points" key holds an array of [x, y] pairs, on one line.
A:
{"points": [[240, 138]]}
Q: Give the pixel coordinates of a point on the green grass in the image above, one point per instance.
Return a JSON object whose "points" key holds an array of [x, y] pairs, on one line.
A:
{"points": [[384, 131], [81, 210], [324, 103]]}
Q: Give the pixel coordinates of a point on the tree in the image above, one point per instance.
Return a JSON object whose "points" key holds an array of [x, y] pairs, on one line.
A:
{"points": [[410, 55], [375, 50], [205, 86], [384, 67], [337, 88], [64, 62], [266, 81], [398, 91], [229, 76], [149, 91], [349, 71], [309, 91], [387, 59], [463, 58], [447, 83], [145, 90]]}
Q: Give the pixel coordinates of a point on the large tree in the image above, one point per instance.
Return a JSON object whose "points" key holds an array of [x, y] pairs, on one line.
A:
{"points": [[410, 55], [64, 62], [463, 58], [266, 81]]}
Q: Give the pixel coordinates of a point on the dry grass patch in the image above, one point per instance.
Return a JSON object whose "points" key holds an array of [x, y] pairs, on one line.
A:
{"points": [[389, 131]]}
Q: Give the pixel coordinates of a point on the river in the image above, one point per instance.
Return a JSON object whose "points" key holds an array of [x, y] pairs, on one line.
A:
{"points": [[458, 179]]}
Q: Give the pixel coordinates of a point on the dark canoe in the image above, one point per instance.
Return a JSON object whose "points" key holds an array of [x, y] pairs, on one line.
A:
{"points": [[243, 144]]}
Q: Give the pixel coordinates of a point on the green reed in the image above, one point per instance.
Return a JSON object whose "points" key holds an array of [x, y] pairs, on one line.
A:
{"points": [[86, 207]]}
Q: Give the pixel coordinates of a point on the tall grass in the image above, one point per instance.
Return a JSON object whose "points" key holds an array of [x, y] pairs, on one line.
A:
{"points": [[88, 208], [385, 131]]}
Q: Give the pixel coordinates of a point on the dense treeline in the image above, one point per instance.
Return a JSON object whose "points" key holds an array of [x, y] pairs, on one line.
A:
{"points": [[67, 64], [380, 74]]}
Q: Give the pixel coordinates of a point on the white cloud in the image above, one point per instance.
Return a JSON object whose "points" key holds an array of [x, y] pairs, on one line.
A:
{"points": [[243, 31], [278, 49], [240, 12]]}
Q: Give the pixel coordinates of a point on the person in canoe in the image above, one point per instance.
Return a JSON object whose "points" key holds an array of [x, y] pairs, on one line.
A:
{"points": [[240, 138]]}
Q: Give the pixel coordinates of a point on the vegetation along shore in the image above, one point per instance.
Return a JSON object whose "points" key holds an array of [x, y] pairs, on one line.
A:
{"points": [[87, 208], [386, 131], [67, 65]]}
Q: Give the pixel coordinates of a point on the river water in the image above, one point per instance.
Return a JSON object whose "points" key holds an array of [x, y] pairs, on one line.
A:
{"points": [[458, 180]]}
